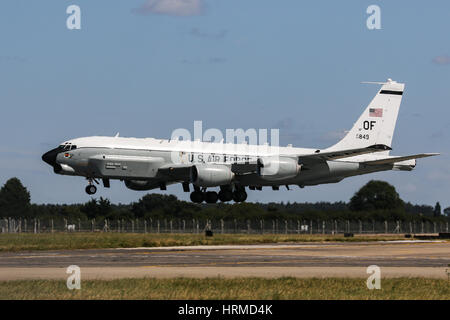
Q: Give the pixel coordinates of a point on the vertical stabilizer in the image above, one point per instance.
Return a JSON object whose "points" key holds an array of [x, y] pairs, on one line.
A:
{"points": [[377, 123]]}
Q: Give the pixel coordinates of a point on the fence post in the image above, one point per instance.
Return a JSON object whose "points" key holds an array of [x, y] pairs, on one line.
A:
{"points": [[248, 226], [184, 226], [221, 226], [262, 226], [39, 225], [52, 226], [323, 226], [170, 223], [158, 226], [446, 227], [434, 227], [310, 227], [410, 227], [273, 226], [35, 226], [298, 226], [285, 227], [151, 225], [385, 226], [360, 227], [25, 225], [92, 224]]}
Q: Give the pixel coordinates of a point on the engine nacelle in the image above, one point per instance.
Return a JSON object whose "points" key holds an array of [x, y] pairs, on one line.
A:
{"points": [[211, 175], [277, 168], [140, 185]]}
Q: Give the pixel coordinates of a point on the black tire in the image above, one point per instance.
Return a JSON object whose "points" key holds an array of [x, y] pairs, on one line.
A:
{"points": [[243, 196], [196, 197], [91, 189], [225, 195], [211, 197], [239, 196]]}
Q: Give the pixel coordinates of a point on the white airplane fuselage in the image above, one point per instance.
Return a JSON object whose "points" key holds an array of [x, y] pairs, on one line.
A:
{"points": [[148, 163]]}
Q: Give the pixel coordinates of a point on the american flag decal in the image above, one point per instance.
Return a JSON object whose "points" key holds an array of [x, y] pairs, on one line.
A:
{"points": [[376, 112]]}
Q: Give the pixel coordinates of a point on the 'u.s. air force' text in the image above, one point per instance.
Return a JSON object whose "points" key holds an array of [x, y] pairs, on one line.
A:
{"points": [[229, 309]]}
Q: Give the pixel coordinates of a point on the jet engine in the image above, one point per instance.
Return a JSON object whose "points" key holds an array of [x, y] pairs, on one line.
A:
{"points": [[277, 168], [211, 175]]}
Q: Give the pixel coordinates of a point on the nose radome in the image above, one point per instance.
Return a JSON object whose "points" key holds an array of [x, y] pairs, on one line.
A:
{"points": [[50, 156]]}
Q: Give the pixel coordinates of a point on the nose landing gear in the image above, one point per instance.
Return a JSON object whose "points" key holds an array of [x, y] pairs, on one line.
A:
{"points": [[91, 188]]}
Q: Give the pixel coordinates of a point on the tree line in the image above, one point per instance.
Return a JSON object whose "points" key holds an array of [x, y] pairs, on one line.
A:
{"points": [[376, 201]]}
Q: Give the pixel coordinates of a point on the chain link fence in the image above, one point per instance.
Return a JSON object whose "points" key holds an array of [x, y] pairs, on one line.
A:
{"points": [[196, 226]]}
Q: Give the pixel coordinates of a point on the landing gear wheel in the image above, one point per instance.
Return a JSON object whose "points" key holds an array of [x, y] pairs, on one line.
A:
{"points": [[91, 189], [239, 196], [197, 196], [225, 195], [211, 197]]}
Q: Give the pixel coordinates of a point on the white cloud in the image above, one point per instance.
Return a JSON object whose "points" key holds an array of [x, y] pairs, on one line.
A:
{"points": [[172, 7]]}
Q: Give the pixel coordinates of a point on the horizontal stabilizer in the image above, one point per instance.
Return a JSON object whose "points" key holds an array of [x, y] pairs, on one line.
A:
{"points": [[399, 159], [319, 156]]}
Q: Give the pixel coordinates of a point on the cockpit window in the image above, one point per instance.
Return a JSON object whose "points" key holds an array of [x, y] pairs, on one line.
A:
{"points": [[67, 147]]}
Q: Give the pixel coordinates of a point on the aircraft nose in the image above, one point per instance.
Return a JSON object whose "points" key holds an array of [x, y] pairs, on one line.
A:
{"points": [[50, 158]]}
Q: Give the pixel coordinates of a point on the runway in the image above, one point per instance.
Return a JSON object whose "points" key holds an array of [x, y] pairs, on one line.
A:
{"points": [[395, 258]]}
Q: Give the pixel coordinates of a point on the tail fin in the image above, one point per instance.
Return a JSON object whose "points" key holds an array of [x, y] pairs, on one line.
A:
{"points": [[377, 123]]}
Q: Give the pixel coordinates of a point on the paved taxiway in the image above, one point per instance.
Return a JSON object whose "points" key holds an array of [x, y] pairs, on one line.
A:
{"points": [[403, 258]]}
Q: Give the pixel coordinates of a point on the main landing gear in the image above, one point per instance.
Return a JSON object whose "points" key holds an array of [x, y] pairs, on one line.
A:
{"points": [[224, 195]]}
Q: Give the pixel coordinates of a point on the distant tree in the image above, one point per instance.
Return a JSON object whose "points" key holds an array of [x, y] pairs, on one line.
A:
{"points": [[437, 210], [160, 206], [97, 208], [376, 195], [14, 199], [447, 211]]}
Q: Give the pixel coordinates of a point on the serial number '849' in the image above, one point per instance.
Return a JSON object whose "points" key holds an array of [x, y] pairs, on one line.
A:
{"points": [[362, 136]]}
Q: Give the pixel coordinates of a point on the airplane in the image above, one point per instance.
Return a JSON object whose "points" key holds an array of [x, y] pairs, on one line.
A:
{"points": [[148, 163]]}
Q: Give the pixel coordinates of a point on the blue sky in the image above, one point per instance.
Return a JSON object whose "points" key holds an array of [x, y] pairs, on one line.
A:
{"points": [[146, 67]]}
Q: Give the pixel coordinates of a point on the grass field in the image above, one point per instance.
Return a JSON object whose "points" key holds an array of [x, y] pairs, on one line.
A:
{"points": [[54, 241], [219, 288]]}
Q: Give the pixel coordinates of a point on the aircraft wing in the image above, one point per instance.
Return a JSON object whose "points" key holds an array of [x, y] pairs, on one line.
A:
{"points": [[391, 160], [315, 158], [319, 157]]}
